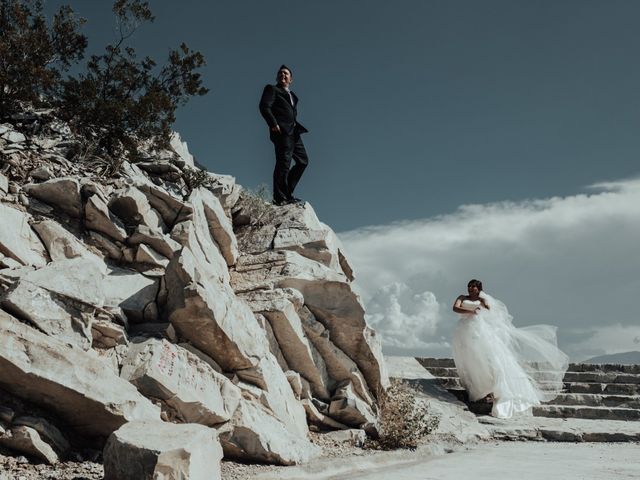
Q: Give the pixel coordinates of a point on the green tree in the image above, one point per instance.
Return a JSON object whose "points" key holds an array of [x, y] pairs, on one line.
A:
{"points": [[120, 100], [34, 54]]}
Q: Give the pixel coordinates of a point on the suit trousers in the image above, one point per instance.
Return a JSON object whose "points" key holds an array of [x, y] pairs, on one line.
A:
{"points": [[285, 177]]}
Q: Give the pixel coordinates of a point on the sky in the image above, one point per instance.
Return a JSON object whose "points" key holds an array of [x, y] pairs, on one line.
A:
{"points": [[490, 139]]}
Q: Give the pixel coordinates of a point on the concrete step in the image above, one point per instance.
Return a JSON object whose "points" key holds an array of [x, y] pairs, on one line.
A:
{"points": [[602, 377], [562, 429], [592, 413], [569, 377], [427, 362], [604, 367], [597, 400], [608, 388]]}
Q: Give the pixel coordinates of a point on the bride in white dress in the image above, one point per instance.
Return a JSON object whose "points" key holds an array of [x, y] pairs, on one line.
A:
{"points": [[518, 367]]}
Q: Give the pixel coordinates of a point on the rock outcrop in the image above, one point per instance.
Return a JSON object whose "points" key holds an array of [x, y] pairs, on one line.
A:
{"points": [[138, 300]]}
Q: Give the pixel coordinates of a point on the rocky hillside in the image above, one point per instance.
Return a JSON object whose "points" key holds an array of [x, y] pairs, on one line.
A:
{"points": [[145, 315]]}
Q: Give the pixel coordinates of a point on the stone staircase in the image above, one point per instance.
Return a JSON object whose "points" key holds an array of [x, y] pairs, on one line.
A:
{"points": [[595, 392]]}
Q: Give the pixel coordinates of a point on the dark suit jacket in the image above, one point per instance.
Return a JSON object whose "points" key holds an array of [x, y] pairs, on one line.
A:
{"points": [[276, 109]]}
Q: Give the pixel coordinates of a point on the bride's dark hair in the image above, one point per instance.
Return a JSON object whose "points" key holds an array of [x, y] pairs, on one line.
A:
{"points": [[475, 283]]}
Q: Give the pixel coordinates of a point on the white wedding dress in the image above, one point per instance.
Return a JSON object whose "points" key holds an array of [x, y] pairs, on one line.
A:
{"points": [[521, 367]]}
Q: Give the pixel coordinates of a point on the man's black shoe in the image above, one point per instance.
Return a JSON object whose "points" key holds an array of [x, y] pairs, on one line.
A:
{"points": [[296, 200], [281, 203]]}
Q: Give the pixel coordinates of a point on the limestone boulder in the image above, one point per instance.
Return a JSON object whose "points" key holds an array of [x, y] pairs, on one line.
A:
{"points": [[182, 149], [79, 279], [156, 239], [218, 223], [4, 185], [226, 189], [187, 385], [205, 311], [71, 383], [280, 307], [99, 218], [107, 334], [47, 432], [255, 435], [340, 367], [50, 313], [170, 206], [60, 243], [339, 309], [327, 295], [20, 242], [62, 193], [316, 417], [130, 291], [274, 269], [348, 408], [159, 450], [28, 441], [133, 208], [276, 394]]}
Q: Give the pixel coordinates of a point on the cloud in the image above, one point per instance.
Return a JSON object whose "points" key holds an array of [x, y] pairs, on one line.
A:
{"points": [[568, 261]]}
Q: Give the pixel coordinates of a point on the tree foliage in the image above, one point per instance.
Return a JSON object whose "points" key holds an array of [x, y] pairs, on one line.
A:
{"points": [[33, 53], [118, 100]]}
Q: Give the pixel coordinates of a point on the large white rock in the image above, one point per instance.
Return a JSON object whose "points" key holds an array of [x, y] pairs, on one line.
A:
{"points": [[339, 366], [348, 408], [206, 312], [328, 295], [280, 307], [4, 185], [255, 435], [276, 394], [162, 451], [226, 189], [339, 309], [182, 149], [60, 243], [28, 441], [49, 313], [186, 384], [272, 269], [72, 383], [98, 217], [62, 193], [130, 291], [172, 209], [77, 278], [20, 242], [219, 224], [156, 239], [133, 208]]}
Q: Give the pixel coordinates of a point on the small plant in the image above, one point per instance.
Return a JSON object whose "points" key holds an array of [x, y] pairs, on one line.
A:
{"points": [[403, 418], [195, 177], [255, 205]]}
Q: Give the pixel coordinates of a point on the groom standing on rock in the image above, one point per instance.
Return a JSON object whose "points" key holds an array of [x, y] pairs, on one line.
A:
{"points": [[278, 106]]}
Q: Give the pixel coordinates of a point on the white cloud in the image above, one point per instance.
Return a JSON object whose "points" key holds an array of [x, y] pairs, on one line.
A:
{"points": [[569, 261], [404, 318]]}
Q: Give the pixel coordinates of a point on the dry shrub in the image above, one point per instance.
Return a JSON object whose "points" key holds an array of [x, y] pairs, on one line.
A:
{"points": [[403, 418]]}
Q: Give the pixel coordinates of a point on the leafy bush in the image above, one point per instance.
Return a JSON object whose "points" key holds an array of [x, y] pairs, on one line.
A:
{"points": [[121, 100], [403, 419], [33, 54]]}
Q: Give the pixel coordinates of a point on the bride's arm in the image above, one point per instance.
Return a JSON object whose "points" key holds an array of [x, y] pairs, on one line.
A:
{"points": [[457, 303]]}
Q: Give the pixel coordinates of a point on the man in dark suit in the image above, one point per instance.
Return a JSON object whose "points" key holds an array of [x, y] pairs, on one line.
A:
{"points": [[278, 106]]}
